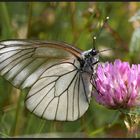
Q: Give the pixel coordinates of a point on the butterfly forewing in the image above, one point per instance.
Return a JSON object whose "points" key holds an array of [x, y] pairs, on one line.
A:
{"points": [[20, 59], [58, 88]]}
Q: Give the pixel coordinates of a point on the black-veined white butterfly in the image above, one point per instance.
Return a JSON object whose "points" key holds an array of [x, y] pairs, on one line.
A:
{"points": [[57, 74]]}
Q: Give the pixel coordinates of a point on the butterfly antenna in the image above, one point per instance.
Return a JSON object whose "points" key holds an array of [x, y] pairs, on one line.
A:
{"points": [[98, 34], [94, 42]]}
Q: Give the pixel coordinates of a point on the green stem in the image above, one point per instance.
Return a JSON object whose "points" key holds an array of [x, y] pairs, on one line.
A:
{"points": [[5, 19], [29, 125], [15, 124], [42, 125], [29, 19]]}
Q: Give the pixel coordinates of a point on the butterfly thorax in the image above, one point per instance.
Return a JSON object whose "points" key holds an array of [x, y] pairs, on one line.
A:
{"points": [[89, 60]]}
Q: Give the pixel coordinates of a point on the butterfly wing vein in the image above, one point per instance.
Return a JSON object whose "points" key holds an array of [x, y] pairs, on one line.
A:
{"points": [[58, 89]]}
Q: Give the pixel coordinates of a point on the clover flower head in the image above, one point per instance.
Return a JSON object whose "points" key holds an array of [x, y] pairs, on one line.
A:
{"points": [[118, 85]]}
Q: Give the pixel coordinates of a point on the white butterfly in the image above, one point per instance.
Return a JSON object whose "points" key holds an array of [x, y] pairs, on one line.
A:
{"points": [[57, 74]]}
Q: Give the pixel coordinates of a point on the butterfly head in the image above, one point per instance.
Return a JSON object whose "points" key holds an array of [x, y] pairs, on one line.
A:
{"points": [[94, 56], [91, 57]]}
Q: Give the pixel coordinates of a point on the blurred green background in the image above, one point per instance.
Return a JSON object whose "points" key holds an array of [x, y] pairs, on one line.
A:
{"points": [[74, 23]]}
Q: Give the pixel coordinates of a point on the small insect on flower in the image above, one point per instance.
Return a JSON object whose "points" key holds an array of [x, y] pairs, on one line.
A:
{"points": [[118, 85]]}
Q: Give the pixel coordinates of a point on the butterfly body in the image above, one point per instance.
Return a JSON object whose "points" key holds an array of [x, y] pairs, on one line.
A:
{"points": [[90, 58], [57, 74]]}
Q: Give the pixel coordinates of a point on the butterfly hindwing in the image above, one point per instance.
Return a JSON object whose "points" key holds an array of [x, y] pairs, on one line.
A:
{"points": [[60, 93]]}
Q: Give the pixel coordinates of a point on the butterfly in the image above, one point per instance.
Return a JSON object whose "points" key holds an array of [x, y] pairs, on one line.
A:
{"points": [[57, 74]]}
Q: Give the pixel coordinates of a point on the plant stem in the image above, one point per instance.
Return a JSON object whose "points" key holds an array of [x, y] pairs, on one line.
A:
{"points": [[29, 125], [29, 19], [131, 121], [6, 22], [15, 124]]}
